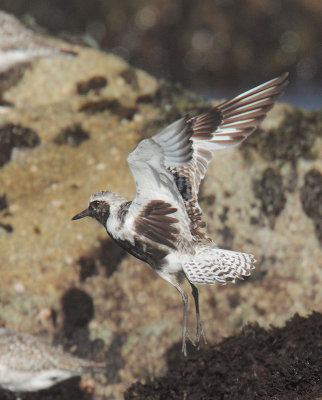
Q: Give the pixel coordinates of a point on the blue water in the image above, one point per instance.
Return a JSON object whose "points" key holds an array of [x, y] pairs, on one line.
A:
{"points": [[304, 94]]}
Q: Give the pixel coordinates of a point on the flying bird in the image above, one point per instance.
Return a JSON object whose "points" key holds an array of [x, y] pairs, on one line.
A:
{"points": [[162, 224]]}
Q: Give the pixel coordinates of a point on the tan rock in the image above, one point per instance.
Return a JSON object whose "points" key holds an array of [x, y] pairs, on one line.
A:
{"points": [[137, 315]]}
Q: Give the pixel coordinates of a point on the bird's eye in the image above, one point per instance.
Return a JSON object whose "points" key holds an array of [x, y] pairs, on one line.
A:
{"points": [[94, 204]]}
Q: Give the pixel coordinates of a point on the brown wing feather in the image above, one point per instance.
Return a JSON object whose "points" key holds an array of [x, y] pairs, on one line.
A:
{"points": [[155, 224], [204, 125]]}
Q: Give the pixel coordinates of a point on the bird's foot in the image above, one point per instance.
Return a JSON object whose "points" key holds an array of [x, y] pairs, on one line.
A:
{"points": [[186, 336], [200, 333]]}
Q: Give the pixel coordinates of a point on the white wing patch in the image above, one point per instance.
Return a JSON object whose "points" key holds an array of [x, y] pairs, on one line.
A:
{"points": [[153, 181], [151, 177], [211, 265]]}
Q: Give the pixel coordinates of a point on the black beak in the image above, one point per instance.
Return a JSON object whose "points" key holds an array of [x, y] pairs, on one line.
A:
{"points": [[68, 52], [82, 214]]}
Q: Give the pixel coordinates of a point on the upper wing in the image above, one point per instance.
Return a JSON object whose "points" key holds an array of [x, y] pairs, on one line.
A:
{"points": [[170, 165], [188, 148]]}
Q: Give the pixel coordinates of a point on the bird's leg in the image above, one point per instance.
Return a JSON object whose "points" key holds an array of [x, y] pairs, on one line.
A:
{"points": [[200, 331], [185, 333]]}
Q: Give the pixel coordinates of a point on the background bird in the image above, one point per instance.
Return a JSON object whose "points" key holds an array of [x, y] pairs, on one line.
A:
{"points": [[19, 44], [162, 224], [27, 364]]}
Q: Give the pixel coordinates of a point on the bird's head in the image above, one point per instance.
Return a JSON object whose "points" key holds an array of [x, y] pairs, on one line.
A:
{"points": [[98, 207]]}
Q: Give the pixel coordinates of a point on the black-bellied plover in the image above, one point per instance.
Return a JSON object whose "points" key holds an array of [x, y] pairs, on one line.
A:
{"points": [[27, 364], [161, 225], [18, 44]]}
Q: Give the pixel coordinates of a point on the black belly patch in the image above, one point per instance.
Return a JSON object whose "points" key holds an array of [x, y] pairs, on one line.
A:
{"points": [[152, 255]]}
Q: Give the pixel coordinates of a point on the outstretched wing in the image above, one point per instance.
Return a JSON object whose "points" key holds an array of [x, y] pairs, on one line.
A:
{"points": [[188, 144], [170, 165]]}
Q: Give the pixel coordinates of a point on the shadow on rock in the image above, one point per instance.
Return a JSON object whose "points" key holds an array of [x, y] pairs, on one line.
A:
{"points": [[78, 309]]}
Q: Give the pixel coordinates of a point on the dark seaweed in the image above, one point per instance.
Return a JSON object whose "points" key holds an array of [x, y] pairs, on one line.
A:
{"points": [[280, 364]]}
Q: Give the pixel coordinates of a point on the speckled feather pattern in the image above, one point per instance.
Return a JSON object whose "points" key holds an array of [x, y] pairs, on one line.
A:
{"points": [[210, 265], [23, 352]]}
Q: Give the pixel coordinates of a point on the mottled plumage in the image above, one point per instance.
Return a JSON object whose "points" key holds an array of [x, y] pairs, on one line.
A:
{"points": [[161, 226], [27, 364]]}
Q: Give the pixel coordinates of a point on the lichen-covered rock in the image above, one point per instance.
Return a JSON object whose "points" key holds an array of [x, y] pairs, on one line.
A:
{"points": [[72, 136], [15, 136], [292, 139], [132, 316], [270, 191], [311, 197]]}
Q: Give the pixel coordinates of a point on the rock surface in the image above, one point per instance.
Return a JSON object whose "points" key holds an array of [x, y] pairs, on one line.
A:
{"points": [[281, 363], [88, 113]]}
